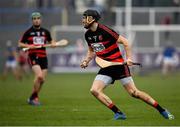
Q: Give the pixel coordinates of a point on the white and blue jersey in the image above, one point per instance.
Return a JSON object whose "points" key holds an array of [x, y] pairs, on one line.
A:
{"points": [[11, 59]]}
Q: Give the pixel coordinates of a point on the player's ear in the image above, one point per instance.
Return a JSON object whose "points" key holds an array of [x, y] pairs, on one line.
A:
{"points": [[90, 19]]}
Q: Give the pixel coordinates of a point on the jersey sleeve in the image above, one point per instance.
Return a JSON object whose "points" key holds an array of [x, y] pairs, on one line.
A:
{"points": [[114, 34], [111, 33]]}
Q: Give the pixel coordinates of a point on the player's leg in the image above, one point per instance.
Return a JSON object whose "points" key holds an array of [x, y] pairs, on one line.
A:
{"points": [[38, 80], [44, 73], [20, 70], [40, 70], [99, 84], [97, 90], [16, 71], [136, 93], [43, 65], [6, 70], [164, 69], [26, 69], [166, 66]]}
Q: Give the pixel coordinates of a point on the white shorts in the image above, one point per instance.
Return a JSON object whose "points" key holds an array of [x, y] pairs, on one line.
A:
{"points": [[107, 79], [169, 61], [11, 64]]}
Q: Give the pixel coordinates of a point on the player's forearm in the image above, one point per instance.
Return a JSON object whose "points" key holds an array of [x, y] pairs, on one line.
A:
{"points": [[89, 56], [126, 45], [22, 45], [128, 51]]}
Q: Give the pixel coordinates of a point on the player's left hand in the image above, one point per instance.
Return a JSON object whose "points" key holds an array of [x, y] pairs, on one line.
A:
{"points": [[129, 62], [53, 45]]}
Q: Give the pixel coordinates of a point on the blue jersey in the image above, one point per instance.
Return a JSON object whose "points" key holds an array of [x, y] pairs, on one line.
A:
{"points": [[169, 52]]}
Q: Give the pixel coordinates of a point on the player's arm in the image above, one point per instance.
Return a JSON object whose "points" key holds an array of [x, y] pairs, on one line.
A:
{"points": [[24, 45], [89, 56], [22, 42], [127, 47]]}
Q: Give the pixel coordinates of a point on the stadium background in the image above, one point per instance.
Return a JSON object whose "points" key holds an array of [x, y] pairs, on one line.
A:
{"points": [[148, 24], [146, 30]]}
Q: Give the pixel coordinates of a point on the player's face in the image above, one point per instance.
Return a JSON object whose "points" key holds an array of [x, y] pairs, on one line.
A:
{"points": [[36, 21], [84, 22]]}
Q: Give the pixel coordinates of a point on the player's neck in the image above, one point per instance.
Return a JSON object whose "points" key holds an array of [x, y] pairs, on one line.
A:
{"points": [[36, 27], [94, 26]]}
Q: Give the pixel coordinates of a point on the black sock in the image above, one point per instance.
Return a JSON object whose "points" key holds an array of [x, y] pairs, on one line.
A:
{"points": [[34, 95], [159, 108], [114, 108]]}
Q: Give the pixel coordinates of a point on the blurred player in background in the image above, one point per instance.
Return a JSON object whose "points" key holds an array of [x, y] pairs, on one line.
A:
{"points": [[103, 42], [11, 63], [36, 35], [168, 58], [23, 63]]}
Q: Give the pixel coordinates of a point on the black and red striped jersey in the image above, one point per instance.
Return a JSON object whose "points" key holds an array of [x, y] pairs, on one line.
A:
{"points": [[104, 43], [36, 37]]}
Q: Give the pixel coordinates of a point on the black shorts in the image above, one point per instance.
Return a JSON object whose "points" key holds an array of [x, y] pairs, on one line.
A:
{"points": [[116, 72], [41, 61], [22, 64]]}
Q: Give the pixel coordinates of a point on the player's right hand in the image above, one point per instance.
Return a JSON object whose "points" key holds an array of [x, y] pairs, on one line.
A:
{"points": [[84, 64]]}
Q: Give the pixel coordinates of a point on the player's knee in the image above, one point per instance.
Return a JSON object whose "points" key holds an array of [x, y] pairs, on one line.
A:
{"points": [[94, 92], [40, 79], [135, 93]]}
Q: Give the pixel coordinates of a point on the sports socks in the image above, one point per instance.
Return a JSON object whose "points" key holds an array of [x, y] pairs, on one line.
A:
{"points": [[114, 108], [158, 107], [34, 95]]}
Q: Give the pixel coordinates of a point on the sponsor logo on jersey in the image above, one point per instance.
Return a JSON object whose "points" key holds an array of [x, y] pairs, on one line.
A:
{"points": [[38, 40], [97, 47], [32, 33]]}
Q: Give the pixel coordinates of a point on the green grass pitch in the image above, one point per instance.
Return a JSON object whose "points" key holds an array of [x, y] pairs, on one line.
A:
{"points": [[66, 100]]}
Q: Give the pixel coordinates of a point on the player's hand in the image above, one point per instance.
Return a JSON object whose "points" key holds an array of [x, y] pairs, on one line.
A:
{"points": [[53, 45], [32, 46], [129, 62], [84, 64]]}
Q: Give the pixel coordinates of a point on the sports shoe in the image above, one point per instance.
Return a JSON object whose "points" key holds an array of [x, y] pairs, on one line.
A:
{"points": [[119, 115], [167, 115], [34, 102]]}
